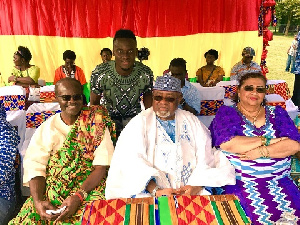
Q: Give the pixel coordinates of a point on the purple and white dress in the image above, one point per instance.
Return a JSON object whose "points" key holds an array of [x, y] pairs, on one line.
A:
{"points": [[264, 185]]}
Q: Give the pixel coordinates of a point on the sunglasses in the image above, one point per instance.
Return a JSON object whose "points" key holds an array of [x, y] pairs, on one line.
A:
{"points": [[159, 98], [68, 97], [258, 89]]}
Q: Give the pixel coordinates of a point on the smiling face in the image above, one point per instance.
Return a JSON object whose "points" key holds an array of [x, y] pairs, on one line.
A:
{"points": [[210, 59], [125, 52], [165, 103], [252, 98], [106, 56]]}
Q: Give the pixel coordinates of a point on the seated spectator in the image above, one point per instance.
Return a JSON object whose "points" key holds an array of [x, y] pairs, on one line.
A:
{"points": [[67, 158], [9, 141], [106, 55], [165, 151], [23, 73], [210, 75], [191, 98], [246, 65]]}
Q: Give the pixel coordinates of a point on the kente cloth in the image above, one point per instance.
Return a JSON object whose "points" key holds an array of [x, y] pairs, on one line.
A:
{"points": [[210, 107], [79, 75], [204, 72], [282, 104], [34, 120], [173, 210], [33, 72], [279, 89], [13, 102], [191, 96], [230, 91], [48, 96], [145, 151], [69, 167], [240, 69], [264, 185], [9, 141]]}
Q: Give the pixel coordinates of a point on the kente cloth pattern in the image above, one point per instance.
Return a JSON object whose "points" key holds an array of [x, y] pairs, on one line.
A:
{"points": [[264, 186], [279, 89], [230, 91], [295, 171], [172, 210], [48, 96], [34, 120], [210, 107], [282, 104], [13, 102], [69, 167]]}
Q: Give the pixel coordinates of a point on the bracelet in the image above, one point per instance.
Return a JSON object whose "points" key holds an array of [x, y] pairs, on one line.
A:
{"points": [[79, 196], [263, 140], [268, 141], [268, 153], [261, 151], [84, 193]]}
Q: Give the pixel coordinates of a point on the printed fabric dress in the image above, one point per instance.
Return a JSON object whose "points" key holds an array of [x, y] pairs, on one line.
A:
{"points": [[264, 185]]}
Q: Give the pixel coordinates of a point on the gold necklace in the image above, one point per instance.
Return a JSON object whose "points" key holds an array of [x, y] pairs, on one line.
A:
{"points": [[243, 112]]}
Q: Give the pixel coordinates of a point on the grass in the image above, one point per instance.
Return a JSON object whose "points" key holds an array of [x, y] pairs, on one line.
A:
{"points": [[276, 60]]}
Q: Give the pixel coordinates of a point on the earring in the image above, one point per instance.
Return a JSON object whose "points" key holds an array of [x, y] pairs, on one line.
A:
{"points": [[239, 99]]}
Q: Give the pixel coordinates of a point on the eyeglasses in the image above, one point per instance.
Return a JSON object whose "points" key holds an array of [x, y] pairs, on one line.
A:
{"points": [[68, 97], [258, 89], [159, 98]]}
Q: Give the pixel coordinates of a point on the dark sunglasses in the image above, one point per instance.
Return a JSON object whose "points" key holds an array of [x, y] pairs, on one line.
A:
{"points": [[258, 89], [68, 97], [158, 98]]}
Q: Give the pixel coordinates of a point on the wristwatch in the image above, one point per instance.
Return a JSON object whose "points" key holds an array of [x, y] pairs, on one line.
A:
{"points": [[84, 193], [153, 193]]}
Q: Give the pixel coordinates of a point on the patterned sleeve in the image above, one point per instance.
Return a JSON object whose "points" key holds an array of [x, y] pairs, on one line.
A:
{"points": [[285, 126], [95, 80], [233, 72], [149, 87], [225, 126]]}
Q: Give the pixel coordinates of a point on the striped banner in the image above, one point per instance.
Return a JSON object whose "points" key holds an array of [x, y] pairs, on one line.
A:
{"points": [[181, 28]]}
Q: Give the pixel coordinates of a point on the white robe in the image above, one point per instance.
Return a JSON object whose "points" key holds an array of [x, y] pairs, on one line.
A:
{"points": [[145, 151]]}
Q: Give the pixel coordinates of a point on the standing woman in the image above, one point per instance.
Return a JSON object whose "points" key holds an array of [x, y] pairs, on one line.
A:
{"points": [[258, 140], [23, 73], [210, 74]]}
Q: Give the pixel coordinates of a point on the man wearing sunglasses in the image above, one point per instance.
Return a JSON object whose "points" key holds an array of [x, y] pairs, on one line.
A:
{"points": [[165, 151], [246, 65], [67, 159]]}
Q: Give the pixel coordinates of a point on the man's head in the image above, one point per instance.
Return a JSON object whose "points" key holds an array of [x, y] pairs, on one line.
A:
{"points": [[247, 54], [125, 51], [166, 97], [106, 54], [69, 58], [178, 69], [69, 95]]}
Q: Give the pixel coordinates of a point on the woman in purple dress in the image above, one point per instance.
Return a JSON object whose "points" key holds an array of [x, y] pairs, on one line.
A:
{"points": [[259, 140]]}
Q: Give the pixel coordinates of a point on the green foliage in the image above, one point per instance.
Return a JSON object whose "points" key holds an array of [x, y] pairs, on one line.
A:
{"points": [[288, 10]]}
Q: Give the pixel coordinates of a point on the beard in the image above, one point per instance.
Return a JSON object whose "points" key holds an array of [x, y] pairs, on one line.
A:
{"points": [[163, 114]]}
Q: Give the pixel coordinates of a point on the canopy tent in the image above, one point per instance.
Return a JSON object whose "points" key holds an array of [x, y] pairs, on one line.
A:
{"points": [[177, 28]]}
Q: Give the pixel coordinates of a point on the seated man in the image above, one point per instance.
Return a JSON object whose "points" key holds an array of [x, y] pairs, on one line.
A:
{"points": [[246, 65], [66, 160], [191, 98], [165, 151], [106, 55], [9, 141]]}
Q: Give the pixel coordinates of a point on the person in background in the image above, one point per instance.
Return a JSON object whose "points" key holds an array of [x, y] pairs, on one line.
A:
{"points": [[296, 92], [23, 73], [106, 55], [210, 75], [123, 82], [9, 141], [166, 151], [259, 141], [246, 65], [191, 98], [290, 63]]}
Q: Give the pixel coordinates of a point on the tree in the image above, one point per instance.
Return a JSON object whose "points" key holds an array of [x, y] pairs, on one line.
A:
{"points": [[288, 12]]}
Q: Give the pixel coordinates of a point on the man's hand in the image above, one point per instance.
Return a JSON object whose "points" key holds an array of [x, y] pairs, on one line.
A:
{"points": [[166, 191], [42, 206], [188, 190], [72, 203]]}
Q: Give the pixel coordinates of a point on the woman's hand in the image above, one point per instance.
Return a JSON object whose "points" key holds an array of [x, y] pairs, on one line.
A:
{"points": [[165, 191], [11, 78], [72, 203], [250, 155], [189, 190], [42, 206]]}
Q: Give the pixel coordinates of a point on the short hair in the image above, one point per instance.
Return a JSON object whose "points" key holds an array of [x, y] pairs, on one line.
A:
{"points": [[178, 62], [212, 52], [68, 54], [24, 53], [123, 33], [106, 50], [70, 80], [246, 77]]}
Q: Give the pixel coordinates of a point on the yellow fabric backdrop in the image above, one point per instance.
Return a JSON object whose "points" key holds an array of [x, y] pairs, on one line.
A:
{"points": [[47, 51]]}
